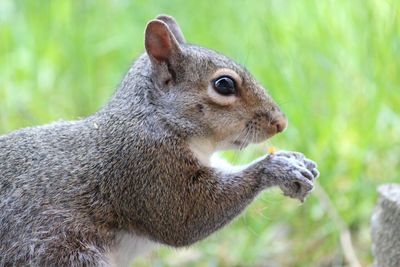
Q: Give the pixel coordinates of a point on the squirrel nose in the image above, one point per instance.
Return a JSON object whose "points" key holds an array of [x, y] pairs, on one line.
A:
{"points": [[280, 124]]}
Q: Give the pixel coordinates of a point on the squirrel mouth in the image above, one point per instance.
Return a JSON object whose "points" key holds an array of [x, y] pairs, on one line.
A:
{"points": [[241, 143]]}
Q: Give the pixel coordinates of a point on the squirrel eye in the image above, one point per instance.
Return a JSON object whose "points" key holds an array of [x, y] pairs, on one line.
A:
{"points": [[225, 85]]}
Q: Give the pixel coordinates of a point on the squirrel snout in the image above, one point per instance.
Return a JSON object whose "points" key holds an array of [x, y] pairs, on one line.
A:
{"points": [[279, 124]]}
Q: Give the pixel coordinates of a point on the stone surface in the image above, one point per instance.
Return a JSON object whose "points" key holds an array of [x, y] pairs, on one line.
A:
{"points": [[385, 225]]}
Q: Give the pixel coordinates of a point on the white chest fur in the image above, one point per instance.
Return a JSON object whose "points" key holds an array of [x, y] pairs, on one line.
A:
{"points": [[127, 247], [202, 149]]}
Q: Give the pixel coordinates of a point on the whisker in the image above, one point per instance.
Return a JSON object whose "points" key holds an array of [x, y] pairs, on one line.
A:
{"points": [[248, 137], [245, 140], [239, 137], [255, 134]]}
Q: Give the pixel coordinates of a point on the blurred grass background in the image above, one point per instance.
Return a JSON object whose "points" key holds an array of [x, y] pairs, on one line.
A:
{"points": [[333, 66]]}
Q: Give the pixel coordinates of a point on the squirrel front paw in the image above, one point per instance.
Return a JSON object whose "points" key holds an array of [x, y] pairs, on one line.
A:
{"points": [[294, 173]]}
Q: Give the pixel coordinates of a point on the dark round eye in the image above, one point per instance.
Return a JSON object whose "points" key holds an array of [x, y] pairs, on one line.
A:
{"points": [[225, 85]]}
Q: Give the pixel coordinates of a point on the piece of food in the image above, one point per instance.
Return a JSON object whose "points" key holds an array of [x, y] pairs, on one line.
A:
{"points": [[272, 150]]}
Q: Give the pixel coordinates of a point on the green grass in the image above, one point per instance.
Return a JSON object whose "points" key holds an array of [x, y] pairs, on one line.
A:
{"points": [[333, 66]]}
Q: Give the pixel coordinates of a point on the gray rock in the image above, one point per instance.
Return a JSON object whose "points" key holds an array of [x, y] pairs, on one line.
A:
{"points": [[386, 227]]}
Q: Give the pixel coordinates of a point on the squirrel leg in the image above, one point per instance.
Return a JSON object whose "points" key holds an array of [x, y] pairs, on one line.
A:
{"points": [[216, 195]]}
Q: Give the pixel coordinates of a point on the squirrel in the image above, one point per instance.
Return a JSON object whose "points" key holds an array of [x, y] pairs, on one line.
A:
{"points": [[140, 172]]}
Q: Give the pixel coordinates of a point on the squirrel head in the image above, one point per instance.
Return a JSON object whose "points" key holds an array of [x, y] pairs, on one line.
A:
{"points": [[205, 94]]}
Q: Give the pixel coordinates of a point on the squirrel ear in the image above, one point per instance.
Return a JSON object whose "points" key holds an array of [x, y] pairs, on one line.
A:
{"points": [[159, 41], [174, 27]]}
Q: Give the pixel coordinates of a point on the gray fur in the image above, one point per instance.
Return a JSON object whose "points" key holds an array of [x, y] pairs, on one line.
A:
{"points": [[67, 188]]}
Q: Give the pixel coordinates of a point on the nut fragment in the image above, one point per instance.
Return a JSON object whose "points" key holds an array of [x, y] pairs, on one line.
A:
{"points": [[271, 150]]}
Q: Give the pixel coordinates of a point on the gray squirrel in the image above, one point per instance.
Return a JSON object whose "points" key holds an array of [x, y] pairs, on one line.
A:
{"points": [[100, 190]]}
